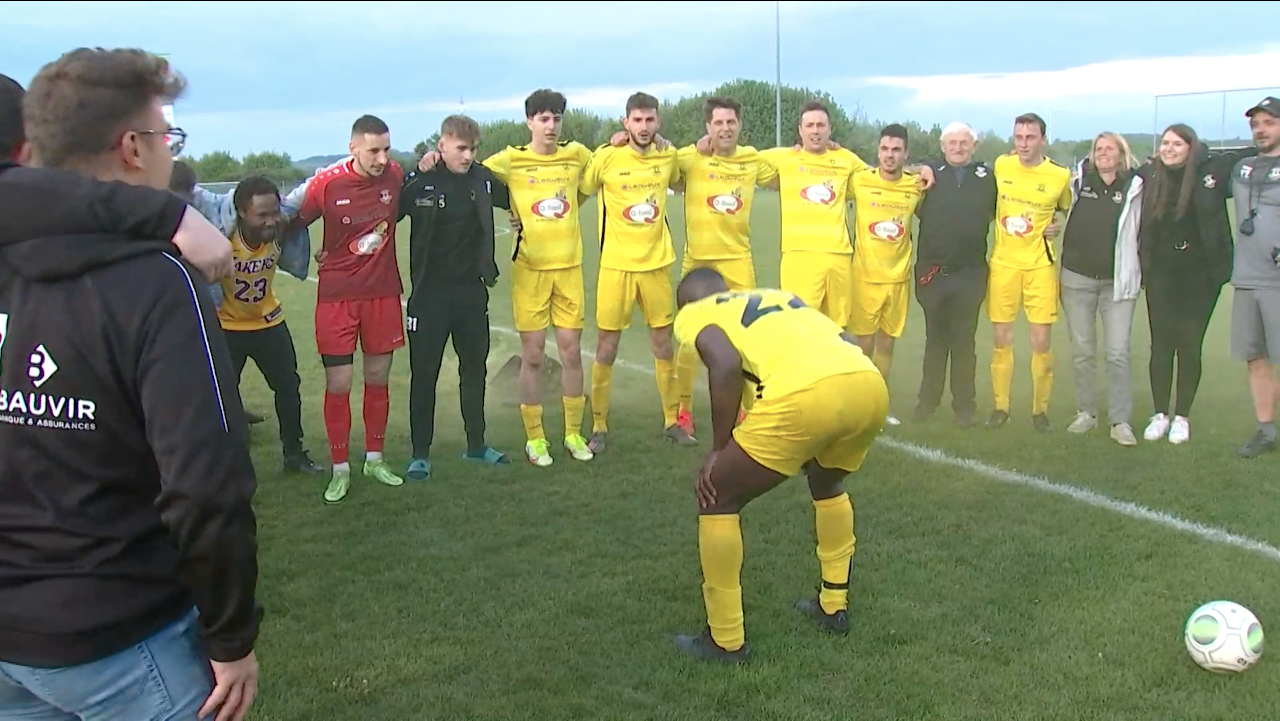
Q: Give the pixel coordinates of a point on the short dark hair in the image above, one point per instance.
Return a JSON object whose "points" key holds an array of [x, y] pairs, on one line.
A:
{"points": [[369, 125], [78, 105], [461, 127], [183, 178], [642, 101], [544, 101], [11, 134], [815, 105], [895, 130], [721, 103], [250, 188], [1030, 119]]}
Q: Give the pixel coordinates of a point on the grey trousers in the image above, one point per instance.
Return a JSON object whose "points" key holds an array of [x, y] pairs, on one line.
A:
{"points": [[1083, 300]]}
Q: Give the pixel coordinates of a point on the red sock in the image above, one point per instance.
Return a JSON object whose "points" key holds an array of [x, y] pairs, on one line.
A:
{"points": [[337, 423], [377, 409]]}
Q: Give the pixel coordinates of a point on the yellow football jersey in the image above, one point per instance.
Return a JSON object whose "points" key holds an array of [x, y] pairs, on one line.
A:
{"points": [[631, 208], [1025, 203], [248, 295], [814, 189], [785, 345], [718, 191], [883, 213], [544, 193]]}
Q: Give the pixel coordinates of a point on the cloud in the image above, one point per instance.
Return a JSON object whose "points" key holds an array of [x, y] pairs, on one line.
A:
{"points": [[601, 98], [1144, 76]]}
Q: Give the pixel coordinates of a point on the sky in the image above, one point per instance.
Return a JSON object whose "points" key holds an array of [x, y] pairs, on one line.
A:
{"points": [[293, 76]]}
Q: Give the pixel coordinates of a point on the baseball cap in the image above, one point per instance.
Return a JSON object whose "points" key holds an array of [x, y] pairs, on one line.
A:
{"points": [[1270, 105]]}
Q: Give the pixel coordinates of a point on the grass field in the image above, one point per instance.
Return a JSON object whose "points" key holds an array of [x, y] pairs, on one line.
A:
{"points": [[523, 593]]}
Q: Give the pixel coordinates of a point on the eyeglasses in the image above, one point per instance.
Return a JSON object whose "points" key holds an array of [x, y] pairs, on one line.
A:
{"points": [[175, 138]]}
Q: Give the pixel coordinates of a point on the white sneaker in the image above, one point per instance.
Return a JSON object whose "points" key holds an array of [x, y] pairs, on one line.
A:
{"points": [[1122, 433], [538, 452], [1083, 423], [1180, 431], [891, 420], [1157, 428]]}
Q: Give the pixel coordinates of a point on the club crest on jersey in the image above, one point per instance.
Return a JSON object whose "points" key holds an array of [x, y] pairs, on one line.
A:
{"points": [[727, 203], [370, 243], [823, 194], [645, 213], [385, 197], [1019, 226], [890, 230], [553, 208]]}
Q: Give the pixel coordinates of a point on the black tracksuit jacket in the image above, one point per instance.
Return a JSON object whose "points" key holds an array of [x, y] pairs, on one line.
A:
{"points": [[125, 482]]}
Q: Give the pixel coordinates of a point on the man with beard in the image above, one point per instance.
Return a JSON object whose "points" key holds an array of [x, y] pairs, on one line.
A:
{"points": [[636, 255]]}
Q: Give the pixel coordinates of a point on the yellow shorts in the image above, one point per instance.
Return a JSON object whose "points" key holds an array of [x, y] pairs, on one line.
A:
{"points": [[618, 291], [833, 421], [739, 273], [1036, 291], [822, 280], [547, 297], [879, 307]]}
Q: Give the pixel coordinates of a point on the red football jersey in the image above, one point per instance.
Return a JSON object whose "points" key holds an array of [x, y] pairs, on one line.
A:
{"points": [[359, 231]]}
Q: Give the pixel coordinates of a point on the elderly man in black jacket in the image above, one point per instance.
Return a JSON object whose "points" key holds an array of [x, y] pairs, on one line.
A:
{"points": [[951, 271], [452, 268]]}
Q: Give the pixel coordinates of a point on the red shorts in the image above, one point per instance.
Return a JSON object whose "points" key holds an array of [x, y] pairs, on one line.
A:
{"points": [[378, 323]]}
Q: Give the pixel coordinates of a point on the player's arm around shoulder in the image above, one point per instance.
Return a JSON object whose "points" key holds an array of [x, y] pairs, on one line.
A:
{"points": [[195, 427], [593, 175]]}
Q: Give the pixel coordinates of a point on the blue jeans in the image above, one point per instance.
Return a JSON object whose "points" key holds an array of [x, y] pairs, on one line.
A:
{"points": [[166, 677]]}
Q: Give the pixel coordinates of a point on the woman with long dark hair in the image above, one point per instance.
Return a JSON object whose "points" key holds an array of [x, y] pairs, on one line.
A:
{"points": [[1185, 249]]}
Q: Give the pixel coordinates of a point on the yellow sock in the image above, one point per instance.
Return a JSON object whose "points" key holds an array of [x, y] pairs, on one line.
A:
{"points": [[532, 417], [573, 410], [601, 380], [664, 372], [686, 374], [1002, 376], [720, 548], [833, 519], [883, 361], [1041, 381]]}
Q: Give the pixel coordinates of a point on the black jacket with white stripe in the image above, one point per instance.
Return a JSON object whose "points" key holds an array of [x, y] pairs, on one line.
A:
{"points": [[124, 487]]}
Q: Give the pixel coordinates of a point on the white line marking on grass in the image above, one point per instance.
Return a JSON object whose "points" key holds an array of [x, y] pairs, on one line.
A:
{"points": [[1040, 483]]}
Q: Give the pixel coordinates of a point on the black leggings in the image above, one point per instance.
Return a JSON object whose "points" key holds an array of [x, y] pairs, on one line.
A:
{"points": [[1178, 311]]}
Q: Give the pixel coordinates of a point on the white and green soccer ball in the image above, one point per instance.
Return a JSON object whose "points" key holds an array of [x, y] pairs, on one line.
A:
{"points": [[1224, 637]]}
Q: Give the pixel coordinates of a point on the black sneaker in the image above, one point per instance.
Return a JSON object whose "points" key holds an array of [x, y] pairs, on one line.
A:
{"points": [[702, 647], [300, 462], [965, 419], [1041, 423], [253, 419], [1257, 445], [921, 414], [997, 419], [837, 622]]}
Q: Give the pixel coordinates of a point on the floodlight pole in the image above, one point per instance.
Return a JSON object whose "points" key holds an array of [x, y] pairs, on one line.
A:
{"points": [[777, 86]]}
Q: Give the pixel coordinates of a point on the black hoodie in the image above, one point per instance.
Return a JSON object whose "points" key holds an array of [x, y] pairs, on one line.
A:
{"points": [[125, 482]]}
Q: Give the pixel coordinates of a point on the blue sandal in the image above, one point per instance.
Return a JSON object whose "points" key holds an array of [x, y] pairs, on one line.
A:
{"points": [[488, 456]]}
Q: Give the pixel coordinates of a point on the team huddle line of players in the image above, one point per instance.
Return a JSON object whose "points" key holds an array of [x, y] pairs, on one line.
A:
{"points": [[776, 358]]}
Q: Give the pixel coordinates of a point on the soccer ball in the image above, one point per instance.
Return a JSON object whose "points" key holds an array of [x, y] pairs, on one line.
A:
{"points": [[1224, 637]]}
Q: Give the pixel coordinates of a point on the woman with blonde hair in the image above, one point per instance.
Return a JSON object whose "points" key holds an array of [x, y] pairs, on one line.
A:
{"points": [[1101, 277]]}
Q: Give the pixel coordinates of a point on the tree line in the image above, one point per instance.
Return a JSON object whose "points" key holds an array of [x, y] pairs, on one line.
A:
{"points": [[682, 124]]}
